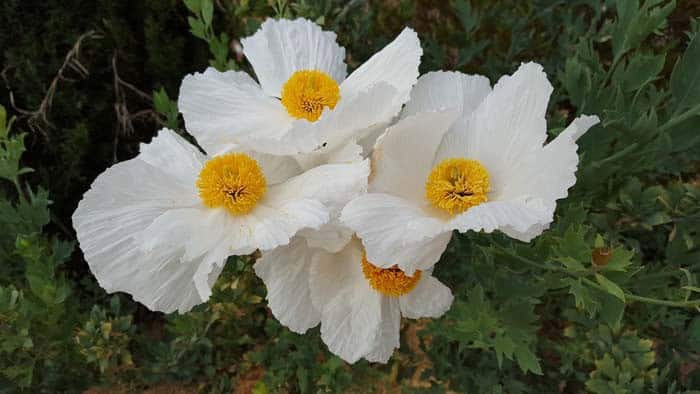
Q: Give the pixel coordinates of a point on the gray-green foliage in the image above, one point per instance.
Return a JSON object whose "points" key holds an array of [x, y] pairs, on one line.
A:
{"points": [[605, 301]]}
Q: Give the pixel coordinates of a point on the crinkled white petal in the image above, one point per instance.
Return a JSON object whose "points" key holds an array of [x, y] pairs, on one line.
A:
{"points": [[285, 272], [447, 90], [429, 298], [197, 230], [351, 311], [276, 168], [329, 184], [274, 223], [223, 110], [173, 154], [281, 47], [510, 123], [403, 156], [395, 65], [349, 152], [551, 171], [388, 337], [355, 115], [394, 230], [302, 202], [121, 204], [332, 236], [518, 217]]}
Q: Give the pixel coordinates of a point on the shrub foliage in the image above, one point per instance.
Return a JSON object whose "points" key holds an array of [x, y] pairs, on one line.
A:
{"points": [[605, 301]]}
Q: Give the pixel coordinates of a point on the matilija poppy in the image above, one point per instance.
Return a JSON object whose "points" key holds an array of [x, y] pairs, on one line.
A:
{"points": [[161, 225], [303, 103], [358, 304], [465, 157]]}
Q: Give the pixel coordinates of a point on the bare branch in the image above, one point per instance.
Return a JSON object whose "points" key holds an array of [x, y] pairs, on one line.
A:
{"points": [[38, 119]]}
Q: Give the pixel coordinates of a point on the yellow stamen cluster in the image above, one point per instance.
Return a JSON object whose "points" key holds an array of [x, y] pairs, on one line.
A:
{"points": [[389, 281], [456, 185], [233, 181], [307, 92]]}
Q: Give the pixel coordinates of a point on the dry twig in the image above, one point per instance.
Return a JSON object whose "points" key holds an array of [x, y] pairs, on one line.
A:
{"points": [[38, 119]]}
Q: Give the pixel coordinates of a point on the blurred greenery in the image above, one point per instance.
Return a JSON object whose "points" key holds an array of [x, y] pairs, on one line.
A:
{"points": [[605, 301]]}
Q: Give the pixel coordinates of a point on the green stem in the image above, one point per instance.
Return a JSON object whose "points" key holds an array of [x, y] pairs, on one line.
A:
{"points": [[648, 300], [612, 68], [629, 296], [616, 156], [681, 118], [20, 193]]}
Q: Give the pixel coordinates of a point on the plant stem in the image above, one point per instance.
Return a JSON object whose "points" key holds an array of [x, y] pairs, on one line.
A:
{"points": [[629, 296], [681, 118]]}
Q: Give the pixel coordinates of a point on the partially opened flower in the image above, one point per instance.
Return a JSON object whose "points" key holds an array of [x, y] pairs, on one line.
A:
{"points": [[465, 157], [303, 101], [161, 225], [358, 304], [285, 270]]}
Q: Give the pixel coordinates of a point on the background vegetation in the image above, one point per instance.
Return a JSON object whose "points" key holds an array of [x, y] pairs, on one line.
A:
{"points": [[606, 301]]}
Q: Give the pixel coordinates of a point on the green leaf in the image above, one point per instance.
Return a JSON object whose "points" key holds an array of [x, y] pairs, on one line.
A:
{"points": [[527, 360], [467, 16], [694, 334], [611, 309], [573, 250], [166, 107], [634, 24], [685, 78], [638, 71], [10, 154], [193, 5], [3, 125], [610, 287], [620, 259], [207, 11], [197, 27], [583, 297]]}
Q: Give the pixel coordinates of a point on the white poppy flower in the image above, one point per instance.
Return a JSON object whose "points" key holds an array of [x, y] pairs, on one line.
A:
{"points": [[465, 157], [161, 225], [303, 101], [358, 304], [285, 270]]}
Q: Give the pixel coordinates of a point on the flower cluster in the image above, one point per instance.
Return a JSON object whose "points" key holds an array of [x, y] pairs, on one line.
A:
{"points": [[350, 186]]}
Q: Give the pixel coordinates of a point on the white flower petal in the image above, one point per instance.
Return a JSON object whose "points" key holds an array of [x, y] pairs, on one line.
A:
{"points": [[551, 171], [430, 298], [200, 231], [276, 168], [403, 156], [396, 65], [174, 155], [349, 152], [274, 223], [286, 271], [281, 47], [122, 203], [396, 231], [329, 184], [517, 217], [510, 122], [353, 117], [351, 311], [332, 236], [447, 90], [388, 338], [225, 109]]}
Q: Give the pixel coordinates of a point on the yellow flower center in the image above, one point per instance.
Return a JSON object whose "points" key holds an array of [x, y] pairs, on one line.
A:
{"points": [[456, 185], [233, 181], [389, 281], [307, 92]]}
